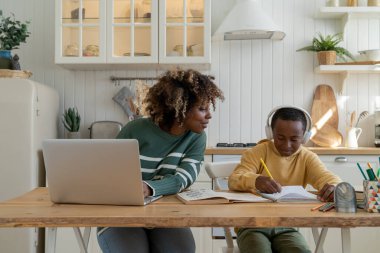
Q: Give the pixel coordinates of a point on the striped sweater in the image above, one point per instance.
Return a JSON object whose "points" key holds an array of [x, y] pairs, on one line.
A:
{"points": [[169, 163]]}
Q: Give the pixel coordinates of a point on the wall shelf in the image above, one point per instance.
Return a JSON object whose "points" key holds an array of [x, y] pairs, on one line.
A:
{"points": [[352, 12], [345, 70], [347, 13], [338, 69]]}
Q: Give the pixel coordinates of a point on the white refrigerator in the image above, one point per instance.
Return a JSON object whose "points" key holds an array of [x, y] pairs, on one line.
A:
{"points": [[29, 114]]}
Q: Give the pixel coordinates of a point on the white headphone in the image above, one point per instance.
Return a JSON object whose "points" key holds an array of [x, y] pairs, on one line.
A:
{"points": [[268, 127]]}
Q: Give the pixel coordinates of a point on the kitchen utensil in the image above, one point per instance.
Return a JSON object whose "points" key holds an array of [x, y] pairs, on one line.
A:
{"points": [[353, 117], [371, 55], [352, 137], [327, 136], [324, 106], [362, 116]]}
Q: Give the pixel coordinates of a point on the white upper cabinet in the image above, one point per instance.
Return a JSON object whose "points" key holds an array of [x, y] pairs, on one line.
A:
{"points": [[132, 31], [142, 33], [80, 35], [185, 31]]}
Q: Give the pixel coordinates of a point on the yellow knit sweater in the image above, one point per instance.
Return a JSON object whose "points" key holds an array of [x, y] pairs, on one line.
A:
{"points": [[302, 168]]}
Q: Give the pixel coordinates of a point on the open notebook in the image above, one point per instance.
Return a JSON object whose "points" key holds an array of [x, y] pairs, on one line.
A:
{"points": [[208, 196], [293, 193]]}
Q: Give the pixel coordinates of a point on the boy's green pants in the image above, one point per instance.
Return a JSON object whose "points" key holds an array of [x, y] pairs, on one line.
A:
{"points": [[266, 240]]}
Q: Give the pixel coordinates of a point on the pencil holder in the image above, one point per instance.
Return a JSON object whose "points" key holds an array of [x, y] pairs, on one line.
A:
{"points": [[372, 196]]}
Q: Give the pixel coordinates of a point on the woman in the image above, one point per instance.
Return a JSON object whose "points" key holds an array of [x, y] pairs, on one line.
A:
{"points": [[172, 143]]}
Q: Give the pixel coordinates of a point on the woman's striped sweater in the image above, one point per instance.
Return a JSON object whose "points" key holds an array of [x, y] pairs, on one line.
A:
{"points": [[169, 163]]}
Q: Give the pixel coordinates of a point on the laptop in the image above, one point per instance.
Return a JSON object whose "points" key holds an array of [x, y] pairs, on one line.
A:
{"points": [[94, 171]]}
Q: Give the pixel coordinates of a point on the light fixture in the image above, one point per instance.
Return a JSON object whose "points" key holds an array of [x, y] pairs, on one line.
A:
{"points": [[248, 21]]}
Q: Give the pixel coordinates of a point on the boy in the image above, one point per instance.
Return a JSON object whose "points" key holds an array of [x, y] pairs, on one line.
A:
{"points": [[290, 164]]}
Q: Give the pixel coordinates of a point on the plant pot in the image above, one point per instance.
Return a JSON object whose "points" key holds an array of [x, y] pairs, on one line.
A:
{"points": [[72, 135], [326, 57], [5, 59]]}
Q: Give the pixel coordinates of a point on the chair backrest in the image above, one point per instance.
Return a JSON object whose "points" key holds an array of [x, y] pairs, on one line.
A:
{"points": [[104, 129], [221, 171]]}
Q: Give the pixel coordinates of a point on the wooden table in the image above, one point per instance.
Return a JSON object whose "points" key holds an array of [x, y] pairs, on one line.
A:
{"points": [[34, 209]]}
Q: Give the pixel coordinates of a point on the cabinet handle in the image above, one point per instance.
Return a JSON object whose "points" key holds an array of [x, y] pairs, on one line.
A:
{"points": [[341, 159]]}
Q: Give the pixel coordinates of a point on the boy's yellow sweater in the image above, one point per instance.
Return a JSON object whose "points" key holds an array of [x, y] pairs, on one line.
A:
{"points": [[302, 168]]}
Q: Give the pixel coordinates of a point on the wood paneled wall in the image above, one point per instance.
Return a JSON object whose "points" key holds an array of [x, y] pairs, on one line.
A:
{"points": [[254, 75]]}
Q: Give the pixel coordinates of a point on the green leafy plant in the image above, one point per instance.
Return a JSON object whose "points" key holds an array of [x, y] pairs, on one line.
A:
{"points": [[12, 32], [329, 43], [71, 119]]}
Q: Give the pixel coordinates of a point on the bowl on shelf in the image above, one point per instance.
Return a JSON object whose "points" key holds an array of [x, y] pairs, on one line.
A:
{"points": [[91, 50], [371, 55]]}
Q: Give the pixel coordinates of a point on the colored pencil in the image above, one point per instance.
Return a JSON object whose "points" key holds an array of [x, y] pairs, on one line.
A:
{"points": [[266, 168], [360, 168]]}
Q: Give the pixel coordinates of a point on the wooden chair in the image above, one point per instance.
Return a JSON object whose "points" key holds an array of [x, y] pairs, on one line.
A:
{"points": [[219, 172]]}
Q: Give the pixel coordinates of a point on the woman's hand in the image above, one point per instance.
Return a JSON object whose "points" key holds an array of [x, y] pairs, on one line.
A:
{"points": [[326, 194], [147, 190], [267, 185]]}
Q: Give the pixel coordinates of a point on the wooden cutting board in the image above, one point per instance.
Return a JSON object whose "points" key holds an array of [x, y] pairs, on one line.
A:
{"points": [[327, 136], [324, 105], [324, 102]]}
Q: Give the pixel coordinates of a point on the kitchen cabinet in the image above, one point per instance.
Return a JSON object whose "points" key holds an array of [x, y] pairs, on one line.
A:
{"points": [[80, 36], [346, 168], [133, 33]]}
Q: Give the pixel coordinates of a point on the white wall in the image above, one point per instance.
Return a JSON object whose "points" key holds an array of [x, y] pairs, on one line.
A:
{"points": [[255, 75]]}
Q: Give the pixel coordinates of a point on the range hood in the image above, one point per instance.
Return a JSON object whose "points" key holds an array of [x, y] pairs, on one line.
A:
{"points": [[248, 21]]}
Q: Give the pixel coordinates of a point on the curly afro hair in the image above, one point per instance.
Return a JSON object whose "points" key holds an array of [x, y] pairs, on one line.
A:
{"points": [[177, 92]]}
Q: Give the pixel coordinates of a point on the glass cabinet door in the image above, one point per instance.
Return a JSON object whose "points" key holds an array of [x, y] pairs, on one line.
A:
{"points": [[132, 31], [80, 31], [185, 31]]}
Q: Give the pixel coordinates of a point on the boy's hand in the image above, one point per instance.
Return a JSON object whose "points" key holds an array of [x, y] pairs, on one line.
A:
{"points": [[267, 185], [326, 194]]}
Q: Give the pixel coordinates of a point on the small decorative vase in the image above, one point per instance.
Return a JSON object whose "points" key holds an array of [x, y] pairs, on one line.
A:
{"points": [[326, 57], [5, 59], [72, 135]]}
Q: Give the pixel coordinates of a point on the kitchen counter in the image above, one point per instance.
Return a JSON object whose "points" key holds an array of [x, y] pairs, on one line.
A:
{"points": [[317, 150]]}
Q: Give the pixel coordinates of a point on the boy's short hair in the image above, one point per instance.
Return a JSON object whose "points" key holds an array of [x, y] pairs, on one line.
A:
{"points": [[289, 113]]}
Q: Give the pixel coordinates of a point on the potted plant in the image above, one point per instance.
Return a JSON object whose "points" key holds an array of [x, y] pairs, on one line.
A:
{"points": [[12, 33], [327, 49], [71, 121]]}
